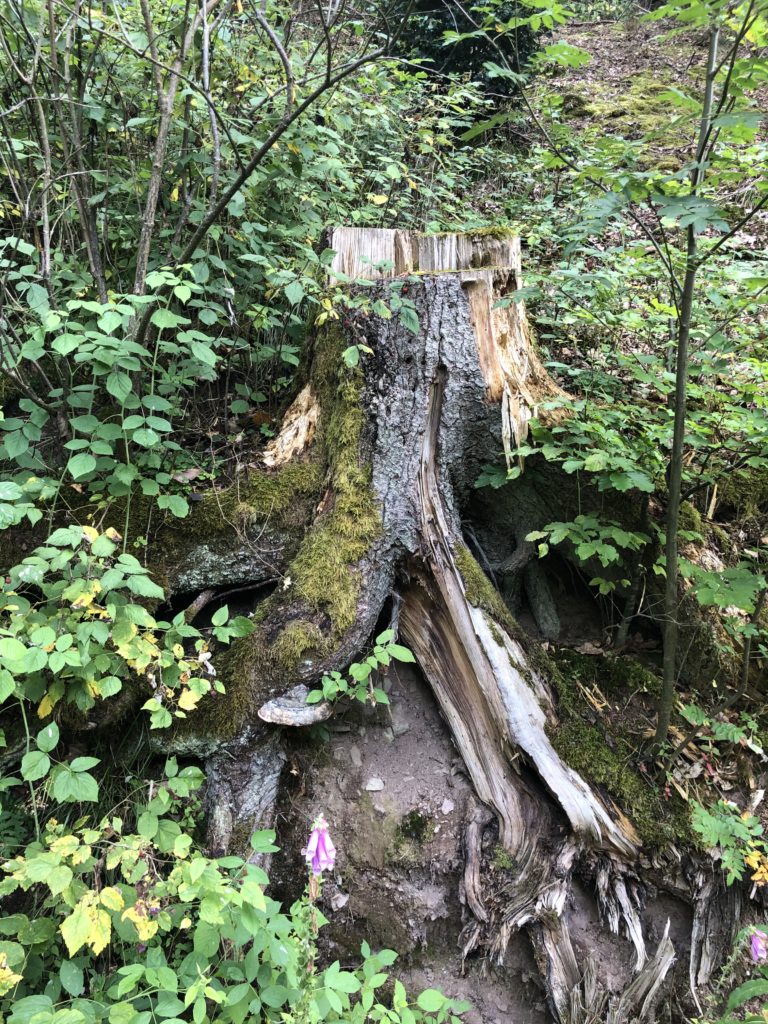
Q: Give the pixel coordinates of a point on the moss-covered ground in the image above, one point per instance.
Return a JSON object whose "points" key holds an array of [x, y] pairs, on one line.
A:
{"points": [[601, 747]]}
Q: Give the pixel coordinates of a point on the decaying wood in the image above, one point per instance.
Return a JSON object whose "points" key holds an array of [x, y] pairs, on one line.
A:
{"points": [[297, 431], [437, 406], [292, 709], [478, 819]]}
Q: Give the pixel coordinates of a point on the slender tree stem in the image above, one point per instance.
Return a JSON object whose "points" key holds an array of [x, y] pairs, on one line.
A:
{"points": [[675, 476]]}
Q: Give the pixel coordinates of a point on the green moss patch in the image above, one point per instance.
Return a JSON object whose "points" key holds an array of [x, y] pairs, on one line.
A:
{"points": [[318, 603], [606, 758]]}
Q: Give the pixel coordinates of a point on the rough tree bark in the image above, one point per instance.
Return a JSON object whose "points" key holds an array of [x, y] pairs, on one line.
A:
{"points": [[399, 442]]}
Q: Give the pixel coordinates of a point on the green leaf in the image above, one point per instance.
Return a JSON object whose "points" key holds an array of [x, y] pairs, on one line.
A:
{"points": [[147, 825], [11, 649], [143, 586], [749, 990], [48, 737], [566, 55], [164, 319], [146, 437], [430, 1000], [25, 1009], [81, 465], [35, 765], [400, 653], [72, 979], [220, 616], [110, 321], [204, 353], [10, 491], [76, 929], [294, 292], [119, 385], [409, 318], [263, 841], [342, 981], [351, 356], [274, 996], [58, 878], [73, 787], [175, 504]]}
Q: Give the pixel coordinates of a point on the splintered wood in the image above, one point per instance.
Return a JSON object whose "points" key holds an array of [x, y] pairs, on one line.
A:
{"points": [[297, 431], [489, 268]]}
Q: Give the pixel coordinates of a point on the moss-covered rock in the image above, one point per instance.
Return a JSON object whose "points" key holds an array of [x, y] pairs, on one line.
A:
{"points": [[745, 492]]}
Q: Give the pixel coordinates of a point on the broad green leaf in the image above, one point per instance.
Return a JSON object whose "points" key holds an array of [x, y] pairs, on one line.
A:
{"points": [[294, 292], [72, 978], [48, 737], [35, 765], [74, 787], [430, 1000], [165, 319], [81, 465]]}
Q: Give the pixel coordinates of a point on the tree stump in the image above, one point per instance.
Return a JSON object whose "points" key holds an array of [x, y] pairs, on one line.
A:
{"points": [[400, 440]]}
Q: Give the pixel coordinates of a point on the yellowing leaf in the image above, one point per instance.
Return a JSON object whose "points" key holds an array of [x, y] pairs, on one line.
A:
{"points": [[101, 931], [86, 925], [379, 200], [90, 534], [46, 706], [188, 701], [112, 898], [8, 979], [88, 596], [139, 917], [81, 855], [112, 534]]}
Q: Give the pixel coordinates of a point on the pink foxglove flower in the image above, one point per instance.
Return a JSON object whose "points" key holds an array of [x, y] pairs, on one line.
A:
{"points": [[320, 853], [759, 946]]}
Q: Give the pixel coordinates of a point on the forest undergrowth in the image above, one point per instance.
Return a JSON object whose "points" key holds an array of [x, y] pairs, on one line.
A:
{"points": [[169, 175]]}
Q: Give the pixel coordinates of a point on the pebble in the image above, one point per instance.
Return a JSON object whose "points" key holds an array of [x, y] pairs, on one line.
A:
{"points": [[339, 900], [374, 785], [400, 723], [447, 807], [355, 756]]}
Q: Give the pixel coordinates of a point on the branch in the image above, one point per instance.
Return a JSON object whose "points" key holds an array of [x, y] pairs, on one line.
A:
{"points": [[737, 227], [284, 59], [206, 76]]}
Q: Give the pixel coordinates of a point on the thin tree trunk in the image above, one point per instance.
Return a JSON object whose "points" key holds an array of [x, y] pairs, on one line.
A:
{"points": [[675, 476]]}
